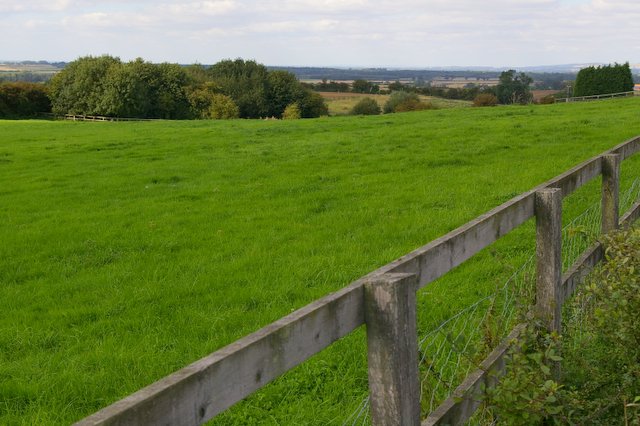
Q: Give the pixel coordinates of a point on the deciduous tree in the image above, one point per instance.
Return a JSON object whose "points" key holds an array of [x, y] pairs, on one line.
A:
{"points": [[513, 88]]}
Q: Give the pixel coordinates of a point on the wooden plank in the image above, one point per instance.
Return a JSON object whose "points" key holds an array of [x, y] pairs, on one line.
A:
{"points": [[627, 148], [203, 389], [630, 216], [574, 178], [467, 397], [443, 254], [580, 269]]}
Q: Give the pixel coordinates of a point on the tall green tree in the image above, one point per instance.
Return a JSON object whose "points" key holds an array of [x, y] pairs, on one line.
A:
{"points": [[284, 89], [312, 104], [127, 90], [168, 91], [246, 82], [145, 90], [80, 86], [602, 80], [513, 88], [364, 86], [21, 99]]}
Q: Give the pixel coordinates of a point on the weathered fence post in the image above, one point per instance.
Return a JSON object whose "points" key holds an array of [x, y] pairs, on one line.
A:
{"points": [[392, 339], [548, 210], [610, 192]]}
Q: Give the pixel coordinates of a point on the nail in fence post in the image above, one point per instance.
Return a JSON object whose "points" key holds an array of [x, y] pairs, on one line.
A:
{"points": [[610, 192], [548, 209], [392, 339]]}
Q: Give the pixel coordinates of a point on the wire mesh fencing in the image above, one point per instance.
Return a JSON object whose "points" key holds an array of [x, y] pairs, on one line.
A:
{"points": [[456, 346], [574, 314]]}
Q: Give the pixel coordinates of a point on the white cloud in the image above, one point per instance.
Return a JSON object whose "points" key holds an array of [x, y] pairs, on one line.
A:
{"points": [[351, 32], [196, 9], [27, 6]]}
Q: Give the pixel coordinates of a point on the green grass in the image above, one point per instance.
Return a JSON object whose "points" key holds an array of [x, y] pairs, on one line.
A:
{"points": [[132, 249]]}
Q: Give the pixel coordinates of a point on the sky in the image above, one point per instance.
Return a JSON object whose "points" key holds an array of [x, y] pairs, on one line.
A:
{"points": [[358, 33]]}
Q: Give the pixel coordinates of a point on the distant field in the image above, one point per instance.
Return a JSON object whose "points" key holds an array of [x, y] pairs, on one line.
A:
{"points": [[18, 72], [33, 68], [132, 249], [342, 103]]}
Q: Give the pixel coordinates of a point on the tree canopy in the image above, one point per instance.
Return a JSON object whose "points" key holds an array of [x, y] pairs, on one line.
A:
{"points": [[513, 88], [364, 86], [601, 80], [20, 100], [231, 88]]}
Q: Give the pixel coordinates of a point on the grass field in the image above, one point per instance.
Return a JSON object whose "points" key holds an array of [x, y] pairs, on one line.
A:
{"points": [[342, 103], [12, 70], [131, 249]]}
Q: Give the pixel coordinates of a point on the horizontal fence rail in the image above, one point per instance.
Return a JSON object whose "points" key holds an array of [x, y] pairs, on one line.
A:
{"points": [[79, 117], [200, 391], [596, 97]]}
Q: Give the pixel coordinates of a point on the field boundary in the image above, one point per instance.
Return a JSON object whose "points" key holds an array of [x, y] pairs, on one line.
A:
{"points": [[79, 117], [596, 97], [383, 300]]}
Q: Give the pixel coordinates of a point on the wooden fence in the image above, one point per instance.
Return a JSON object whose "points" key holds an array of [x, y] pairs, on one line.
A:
{"points": [[596, 97], [385, 300], [79, 117]]}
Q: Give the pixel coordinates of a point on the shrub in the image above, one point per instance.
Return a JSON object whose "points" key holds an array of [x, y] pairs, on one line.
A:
{"points": [[292, 112], [222, 107], [549, 99], [527, 393], [311, 104], [366, 106], [600, 352], [603, 355], [18, 100], [413, 105], [485, 99], [405, 101]]}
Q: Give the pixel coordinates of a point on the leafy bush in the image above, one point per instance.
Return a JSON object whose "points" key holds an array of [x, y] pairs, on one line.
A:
{"points": [[405, 101], [19, 100], [528, 394], [546, 100], [600, 352], [413, 105], [603, 353], [292, 112], [485, 99], [222, 107], [312, 104], [366, 106]]}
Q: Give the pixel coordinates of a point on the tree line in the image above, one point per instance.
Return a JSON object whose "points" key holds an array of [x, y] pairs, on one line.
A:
{"points": [[229, 89], [601, 80], [23, 99], [106, 86]]}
